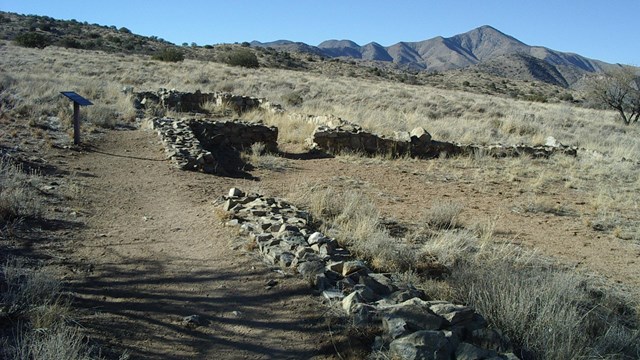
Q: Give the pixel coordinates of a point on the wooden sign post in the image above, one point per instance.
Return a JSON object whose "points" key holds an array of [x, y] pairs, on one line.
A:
{"points": [[77, 102]]}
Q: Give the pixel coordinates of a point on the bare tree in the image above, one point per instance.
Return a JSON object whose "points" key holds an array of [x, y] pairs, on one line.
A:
{"points": [[619, 89]]}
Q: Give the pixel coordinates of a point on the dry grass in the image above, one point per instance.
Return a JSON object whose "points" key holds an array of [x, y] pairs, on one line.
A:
{"points": [[443, 216], [259, 158], [32, 299], [353, 217], [377, 105], [549, 312], [18, 197]]}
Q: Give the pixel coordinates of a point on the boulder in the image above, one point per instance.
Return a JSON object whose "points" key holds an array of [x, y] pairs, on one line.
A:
{"points": [[350, 267], [422, 345], [466, 351], [408, 317]]}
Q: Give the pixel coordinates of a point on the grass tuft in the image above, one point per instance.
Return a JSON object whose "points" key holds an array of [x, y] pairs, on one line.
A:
{"points": [[18, 198], [443, 216]]}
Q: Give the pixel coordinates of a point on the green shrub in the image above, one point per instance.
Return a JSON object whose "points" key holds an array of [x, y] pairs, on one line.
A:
{"points": [[33, 40], [69, 42], [243, 57], [169, 54]]}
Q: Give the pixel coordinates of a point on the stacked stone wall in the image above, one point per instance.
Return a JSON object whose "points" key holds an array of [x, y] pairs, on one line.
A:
{"points": [[412, 326], [193, 102], [202, 145], [418, 143]]}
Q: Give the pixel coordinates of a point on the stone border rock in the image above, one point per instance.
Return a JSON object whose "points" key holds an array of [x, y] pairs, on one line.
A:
{"points": [[412, 326]]}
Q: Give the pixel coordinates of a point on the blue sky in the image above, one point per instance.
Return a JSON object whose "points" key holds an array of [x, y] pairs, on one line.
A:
{"points": [[606, 30]]}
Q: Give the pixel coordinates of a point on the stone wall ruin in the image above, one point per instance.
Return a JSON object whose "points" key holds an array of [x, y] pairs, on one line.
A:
{"points": [[347, 137], [211, 146], [411, 325], [193, 102]]}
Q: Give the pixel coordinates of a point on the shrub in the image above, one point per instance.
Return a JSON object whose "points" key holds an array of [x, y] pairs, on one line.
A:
{"points": [[33, 298], [103, 116], [443, 216], [293, 98], [169, 54], [69, 42], [243, 57], [33, 40]]}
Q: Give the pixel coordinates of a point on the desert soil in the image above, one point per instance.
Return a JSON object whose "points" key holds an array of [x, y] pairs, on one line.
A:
{"points": [[149, 251], [154, 253]]}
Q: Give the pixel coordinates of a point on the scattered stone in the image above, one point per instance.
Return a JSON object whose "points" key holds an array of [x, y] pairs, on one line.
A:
{"points": [[311, 268], [315, 238], [333, 294], [349, 301], [379, 283], [235, 192], [410, 316], [191, 321]]}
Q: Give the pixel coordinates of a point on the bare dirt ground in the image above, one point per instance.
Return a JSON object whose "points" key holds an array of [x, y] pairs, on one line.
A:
{"points": [[404, 189], [154, 253]]}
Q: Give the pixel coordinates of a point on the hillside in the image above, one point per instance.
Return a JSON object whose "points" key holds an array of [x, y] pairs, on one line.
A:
{"points": [[287, 54]]}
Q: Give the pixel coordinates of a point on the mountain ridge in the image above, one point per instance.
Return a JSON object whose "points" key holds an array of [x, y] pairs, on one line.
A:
{"points": [[473, 48]]}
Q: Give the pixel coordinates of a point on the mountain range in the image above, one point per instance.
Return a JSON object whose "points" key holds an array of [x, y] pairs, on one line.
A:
{"points": [[484, 48]]}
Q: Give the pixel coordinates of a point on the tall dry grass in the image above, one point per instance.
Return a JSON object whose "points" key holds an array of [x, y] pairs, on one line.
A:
{"points": [[18, 195], [32, 301], [548, 312], [559, 318]]}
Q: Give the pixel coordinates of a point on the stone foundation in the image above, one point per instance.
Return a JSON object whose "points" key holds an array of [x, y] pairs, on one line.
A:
{"points": [[211, 146], [192, 102], [347, 137]]}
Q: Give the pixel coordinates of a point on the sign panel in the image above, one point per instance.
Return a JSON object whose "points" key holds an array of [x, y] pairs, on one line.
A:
{"points": [[76, 98]]}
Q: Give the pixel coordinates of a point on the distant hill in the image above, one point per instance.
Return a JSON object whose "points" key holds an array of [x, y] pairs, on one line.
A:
{"points": [[484, 48]]}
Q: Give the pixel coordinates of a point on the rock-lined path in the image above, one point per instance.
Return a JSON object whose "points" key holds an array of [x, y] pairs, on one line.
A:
{"points": [[155, 254]]}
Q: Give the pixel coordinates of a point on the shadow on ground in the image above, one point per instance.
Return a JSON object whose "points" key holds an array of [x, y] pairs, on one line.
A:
{"points": [[143, 307]]}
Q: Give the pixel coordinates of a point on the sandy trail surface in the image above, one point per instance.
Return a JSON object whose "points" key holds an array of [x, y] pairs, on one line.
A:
{"points": [[155, 254]]}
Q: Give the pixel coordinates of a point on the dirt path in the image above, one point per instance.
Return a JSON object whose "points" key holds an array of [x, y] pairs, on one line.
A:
{"points": [[155, 255]]}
